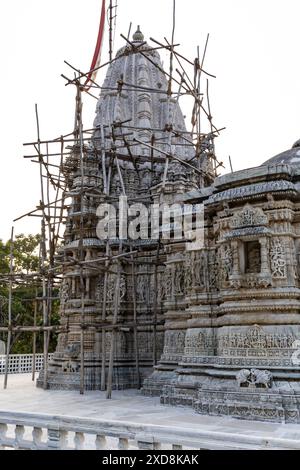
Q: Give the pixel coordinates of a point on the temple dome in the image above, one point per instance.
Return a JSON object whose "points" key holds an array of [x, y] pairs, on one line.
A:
{"points": [[134, 90], [290, 157]]}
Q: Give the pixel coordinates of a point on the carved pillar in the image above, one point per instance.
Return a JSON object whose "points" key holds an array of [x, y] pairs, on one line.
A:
{"points": [[265, 265], [235, 258]]}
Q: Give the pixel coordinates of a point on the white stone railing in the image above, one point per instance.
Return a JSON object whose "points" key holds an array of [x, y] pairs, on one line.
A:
{"points": [[22, 363], [36, 431]]}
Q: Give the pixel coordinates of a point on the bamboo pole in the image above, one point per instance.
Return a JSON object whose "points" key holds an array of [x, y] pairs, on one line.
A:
{"points": [[45, 342], [11, 257], [32, 329], [34, 338], [113, 332], [78, 132], [110, 29], [155, 308], [103, 333], [82, 335], [135, 329]]}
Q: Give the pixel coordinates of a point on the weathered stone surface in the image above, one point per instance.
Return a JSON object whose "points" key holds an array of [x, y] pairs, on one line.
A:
{"points": [[241, 352], [144, 111], [231, 309]]}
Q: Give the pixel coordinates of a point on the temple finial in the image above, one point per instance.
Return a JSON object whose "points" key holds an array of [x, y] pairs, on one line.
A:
{"points": [[138, 35]]}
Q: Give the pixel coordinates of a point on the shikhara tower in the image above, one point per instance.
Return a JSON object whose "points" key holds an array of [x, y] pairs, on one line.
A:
{"points": [[133, 107]]}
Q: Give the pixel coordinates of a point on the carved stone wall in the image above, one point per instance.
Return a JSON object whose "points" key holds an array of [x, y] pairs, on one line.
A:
{"points": [[241, 355]]}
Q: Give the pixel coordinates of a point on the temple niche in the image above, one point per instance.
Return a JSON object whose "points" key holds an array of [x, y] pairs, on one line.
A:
{"points": [[252, 257]]}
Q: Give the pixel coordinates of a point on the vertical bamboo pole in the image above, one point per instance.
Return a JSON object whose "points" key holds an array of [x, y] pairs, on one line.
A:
{"points": [[43, 253], [82, 335], [80, 244], [110, 29], [155, 308], [34, 337], [113, 331], [45, 342], [135, 331], [106, 186], [103, 333], [11, 267]]}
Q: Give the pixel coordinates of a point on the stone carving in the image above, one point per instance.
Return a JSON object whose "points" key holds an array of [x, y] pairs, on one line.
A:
{"points": [[188, 272], [200, 267], [179, 279], [64, 291], [197, 343], [142, 287], [254, 339], [111, 287], [248, 217], [174, 342], [227, 262], [235, 283], [277, 258], [251, 281], [213, 270], [168, 282], [253, 378], [253, 190], [71, 352], [161, 294], [99, 289], [70, 366]]}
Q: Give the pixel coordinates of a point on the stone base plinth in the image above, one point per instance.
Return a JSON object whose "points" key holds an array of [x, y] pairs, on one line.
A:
{"points": [[272, 405], [124, 375]]}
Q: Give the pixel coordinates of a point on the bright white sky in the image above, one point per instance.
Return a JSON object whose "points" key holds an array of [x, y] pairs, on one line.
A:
{"points": [[253, 51]]}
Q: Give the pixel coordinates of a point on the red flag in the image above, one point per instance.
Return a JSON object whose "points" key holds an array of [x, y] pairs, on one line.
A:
{"points": [[97, 54]]}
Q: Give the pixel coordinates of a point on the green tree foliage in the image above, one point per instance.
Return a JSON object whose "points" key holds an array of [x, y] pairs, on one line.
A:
{"points": [[25, 260], [26, 257]]}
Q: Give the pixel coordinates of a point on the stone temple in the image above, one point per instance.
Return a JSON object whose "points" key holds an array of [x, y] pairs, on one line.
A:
{"points": [[227, 315]]}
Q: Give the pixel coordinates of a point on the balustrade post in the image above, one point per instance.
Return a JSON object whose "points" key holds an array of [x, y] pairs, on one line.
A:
{"points": [[3, 431], [79, 440], [123, 443], [19, 435], [37, 437], [100, 442]]}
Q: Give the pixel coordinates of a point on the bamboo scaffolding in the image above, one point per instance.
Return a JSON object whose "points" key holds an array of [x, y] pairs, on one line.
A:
{"points": [[112, 144]]}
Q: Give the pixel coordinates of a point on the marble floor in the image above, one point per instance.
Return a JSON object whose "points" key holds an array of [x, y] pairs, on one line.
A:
{"points": [[22, 395]]}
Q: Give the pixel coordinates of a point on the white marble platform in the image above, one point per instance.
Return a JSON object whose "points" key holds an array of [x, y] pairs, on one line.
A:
{"points": [[22, 396]]}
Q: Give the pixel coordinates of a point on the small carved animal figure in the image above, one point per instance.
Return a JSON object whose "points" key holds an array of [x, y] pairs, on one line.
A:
{"points": [[254, 377], [263, 377], [243, 376], [69, 366]]}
